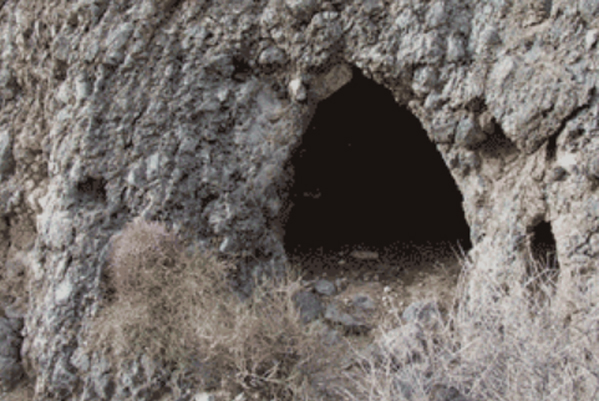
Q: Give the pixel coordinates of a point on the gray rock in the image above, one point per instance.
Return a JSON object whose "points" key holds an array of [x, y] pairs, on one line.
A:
{"points": [[272, 56], [363, 302], [423, 313], [559, 174], [348, 322], [324, 287], [302, 9], [309, 305]]}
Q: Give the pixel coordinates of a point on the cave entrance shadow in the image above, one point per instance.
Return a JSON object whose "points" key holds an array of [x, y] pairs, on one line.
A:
{"points": [[366, 176]]}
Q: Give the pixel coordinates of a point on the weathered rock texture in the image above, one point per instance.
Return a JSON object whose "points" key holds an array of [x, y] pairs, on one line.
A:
{"points": [[187, 111]]}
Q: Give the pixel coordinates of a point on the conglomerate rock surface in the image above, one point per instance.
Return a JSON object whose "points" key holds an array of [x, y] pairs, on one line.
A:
{"points": [[187, 111]]}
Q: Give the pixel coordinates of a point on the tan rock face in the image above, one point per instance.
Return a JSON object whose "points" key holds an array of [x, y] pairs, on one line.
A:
{"points": [[188, 111]]}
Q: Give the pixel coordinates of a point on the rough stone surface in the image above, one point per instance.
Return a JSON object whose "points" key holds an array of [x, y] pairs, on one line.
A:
{"points": [[187, 111], [324, 287], [11, 369], [309, 305]]}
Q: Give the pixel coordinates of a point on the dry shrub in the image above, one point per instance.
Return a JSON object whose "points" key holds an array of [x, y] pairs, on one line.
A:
{"points": [[143, 276], [177, 307], [511, 347]]}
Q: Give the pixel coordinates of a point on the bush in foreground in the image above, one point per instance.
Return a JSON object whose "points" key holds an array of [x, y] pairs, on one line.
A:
{"points": [[175, 306]]}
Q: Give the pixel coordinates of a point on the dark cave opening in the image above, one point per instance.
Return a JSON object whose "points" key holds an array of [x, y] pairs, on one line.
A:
{"points": [[543, 246], [367, 175]]}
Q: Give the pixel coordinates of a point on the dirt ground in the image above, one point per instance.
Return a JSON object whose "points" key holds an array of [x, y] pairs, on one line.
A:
{"points": [[393, 276]]}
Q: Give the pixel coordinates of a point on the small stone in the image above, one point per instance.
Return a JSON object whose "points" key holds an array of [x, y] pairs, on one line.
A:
{"points": [[272, 56], [309, 306], [558, 174], [325, 287], [364, 302], [341, 262], [490, 37], [372, 6], [301, 9], [591, 39], [83, 87], [486, 122], [297, 90]]}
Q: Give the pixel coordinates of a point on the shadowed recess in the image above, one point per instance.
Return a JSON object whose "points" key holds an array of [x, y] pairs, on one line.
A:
{"points": [[367, 174], [543, 245]]}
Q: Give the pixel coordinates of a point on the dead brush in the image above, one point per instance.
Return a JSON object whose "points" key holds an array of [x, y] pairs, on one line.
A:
{"points": [[176, 306], [513, 346]]}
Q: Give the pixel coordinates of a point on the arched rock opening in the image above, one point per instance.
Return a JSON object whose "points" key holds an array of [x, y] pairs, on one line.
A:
{"points": [[366, 174], [543, 246]]}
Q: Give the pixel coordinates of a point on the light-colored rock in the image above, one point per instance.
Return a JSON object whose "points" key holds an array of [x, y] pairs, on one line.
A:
{"points": [[204, 397]]}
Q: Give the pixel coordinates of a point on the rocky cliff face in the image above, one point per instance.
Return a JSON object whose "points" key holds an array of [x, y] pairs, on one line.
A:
{"points": [[188, 112]]}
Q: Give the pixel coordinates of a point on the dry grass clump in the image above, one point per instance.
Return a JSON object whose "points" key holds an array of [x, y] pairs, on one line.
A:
{"points": [[176, 307], [515, 346]]}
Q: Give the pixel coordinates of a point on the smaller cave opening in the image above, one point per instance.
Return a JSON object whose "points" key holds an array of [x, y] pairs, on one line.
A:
{"points": [[92, 189], [543, 268], [543, 247]]}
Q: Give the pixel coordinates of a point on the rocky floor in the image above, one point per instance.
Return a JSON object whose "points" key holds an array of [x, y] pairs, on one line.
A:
{"points": [[356, 287]]}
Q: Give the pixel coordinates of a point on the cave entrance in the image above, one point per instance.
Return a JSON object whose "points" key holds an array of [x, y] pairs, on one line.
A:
{"points": [[366, 176]]}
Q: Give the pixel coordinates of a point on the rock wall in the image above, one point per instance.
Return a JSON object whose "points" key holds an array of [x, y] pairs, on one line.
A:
{"points": [[186, 112]]}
